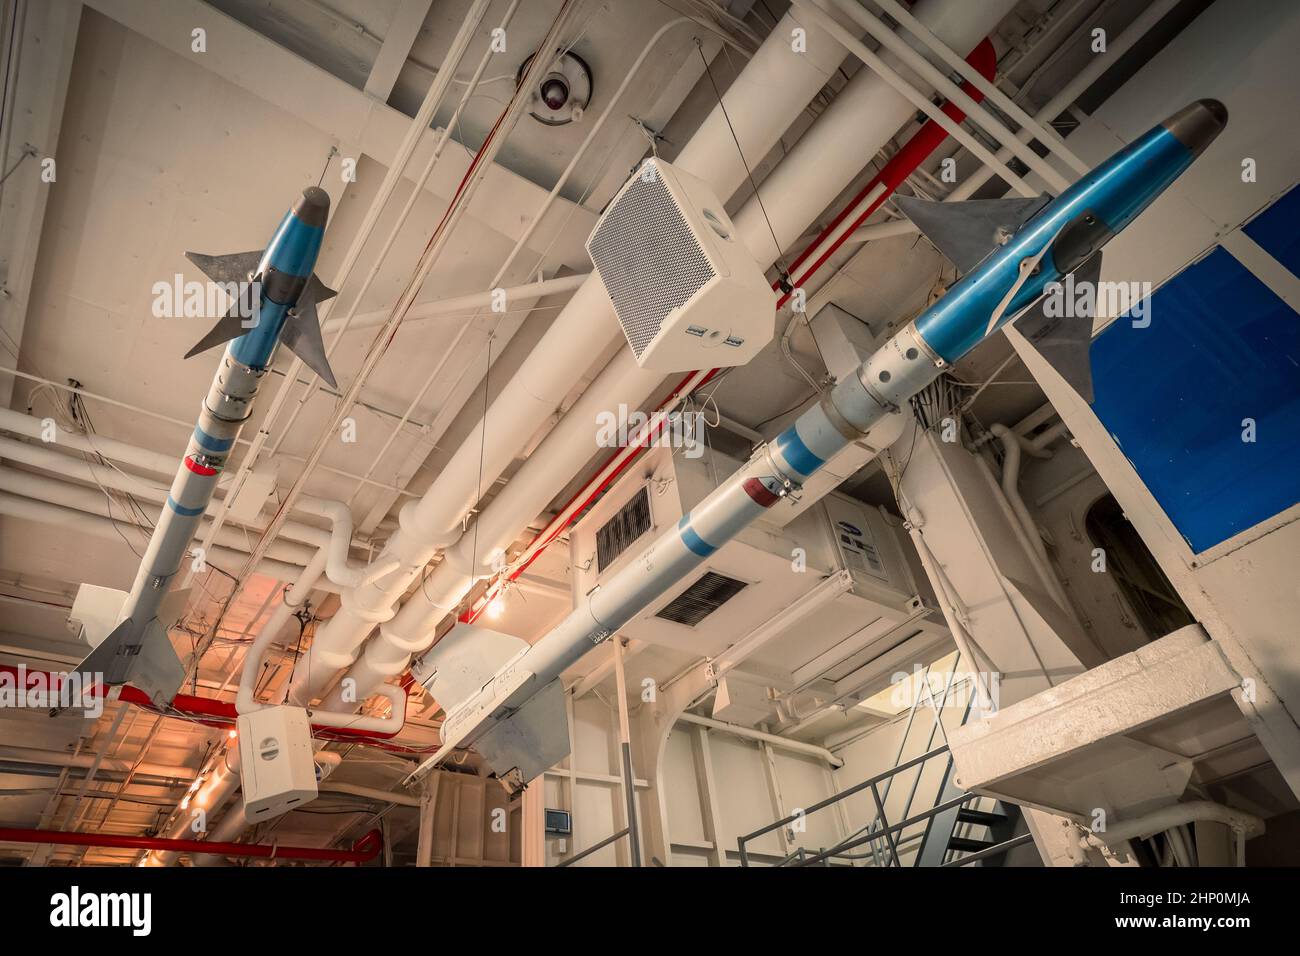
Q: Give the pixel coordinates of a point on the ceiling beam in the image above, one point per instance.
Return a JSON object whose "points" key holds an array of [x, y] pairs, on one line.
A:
{"points": [[398, 40], [255, 63], [35, 113]]}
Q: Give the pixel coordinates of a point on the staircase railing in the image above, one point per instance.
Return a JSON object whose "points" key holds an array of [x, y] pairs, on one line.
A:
{"points": [[879, 837]]}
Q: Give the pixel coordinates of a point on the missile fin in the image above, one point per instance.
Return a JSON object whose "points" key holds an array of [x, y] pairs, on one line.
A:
{"points": [[535, 737], [1065, 340], [966, 232], [316, 291], [232, 267], [302, 337], [229, 326], [458, 666], [140, 655]]}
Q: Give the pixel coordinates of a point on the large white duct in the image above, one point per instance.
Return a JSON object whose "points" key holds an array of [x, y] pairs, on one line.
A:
{"points": [[809, 181], [861, 119], [776, 84]]}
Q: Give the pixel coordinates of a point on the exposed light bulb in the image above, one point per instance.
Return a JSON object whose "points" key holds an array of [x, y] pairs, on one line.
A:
{"points": [[496, 607]]}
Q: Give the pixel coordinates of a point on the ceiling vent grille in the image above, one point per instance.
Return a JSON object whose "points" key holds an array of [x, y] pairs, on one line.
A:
{"points": [[701, 599], [617, 534]]}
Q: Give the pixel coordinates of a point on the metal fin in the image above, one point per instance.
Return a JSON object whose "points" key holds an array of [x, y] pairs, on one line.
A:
{"points": [[462, 662], [531, 740], [232, 267], [316, 291], [301, 335], [966, 232], [229, 326], [140, 655], [1065, 340]]}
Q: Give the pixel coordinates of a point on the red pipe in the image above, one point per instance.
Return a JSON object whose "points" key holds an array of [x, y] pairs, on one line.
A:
{"points": [[903, 164], [984, 59], [363, 851]]}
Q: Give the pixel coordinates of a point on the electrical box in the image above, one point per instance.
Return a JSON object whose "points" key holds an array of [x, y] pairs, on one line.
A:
{"points": [[688, 294], [276, 761], [95, 612]]}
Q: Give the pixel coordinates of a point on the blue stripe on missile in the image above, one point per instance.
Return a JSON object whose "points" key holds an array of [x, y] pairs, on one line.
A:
{"points": [[180, 510], [210, 443], [798, 455], [693, 540]]}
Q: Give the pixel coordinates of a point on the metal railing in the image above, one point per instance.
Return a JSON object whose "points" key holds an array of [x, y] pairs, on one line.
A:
{"points": [[880, 838]]}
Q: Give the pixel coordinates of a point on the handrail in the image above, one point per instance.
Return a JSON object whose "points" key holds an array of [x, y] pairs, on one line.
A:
{"points": [[829, 801], [594, 847]]}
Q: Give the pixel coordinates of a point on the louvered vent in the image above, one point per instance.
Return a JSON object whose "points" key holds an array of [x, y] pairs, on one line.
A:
{"points": [[618, 533], [648, 258], [701, 599]]}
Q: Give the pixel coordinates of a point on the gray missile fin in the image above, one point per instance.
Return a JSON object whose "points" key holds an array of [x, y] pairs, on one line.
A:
{"points": [[533, 739], [141, 656], [316, 291], [229, 326], [232, 267], [301, 335], [1066, 340], [464, 660], [966, 232]]}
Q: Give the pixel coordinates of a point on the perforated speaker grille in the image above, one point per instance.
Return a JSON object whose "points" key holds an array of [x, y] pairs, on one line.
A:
{"points": [[648, 259]]}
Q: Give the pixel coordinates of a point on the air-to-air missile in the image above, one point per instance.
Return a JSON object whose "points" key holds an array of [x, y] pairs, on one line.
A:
{"points": [[275, 293], [504, 698]]}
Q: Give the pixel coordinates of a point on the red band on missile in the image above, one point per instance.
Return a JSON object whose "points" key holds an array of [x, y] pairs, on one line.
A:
{"points": [[198, 469], [760, 493]]}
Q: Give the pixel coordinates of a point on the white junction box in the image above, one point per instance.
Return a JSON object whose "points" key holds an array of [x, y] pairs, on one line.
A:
{"points": [[276, 761], [688, 294]]}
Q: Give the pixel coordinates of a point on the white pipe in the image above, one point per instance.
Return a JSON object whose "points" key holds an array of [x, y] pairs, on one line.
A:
{"points": [[468, 303], [87, 509], [917, 98], [1043, 133], [861, 118], [773, 88], [1011, 447], [974, 111], [47, 459], [783, 743], [1244, 825], [189, 822], [44, 456]]}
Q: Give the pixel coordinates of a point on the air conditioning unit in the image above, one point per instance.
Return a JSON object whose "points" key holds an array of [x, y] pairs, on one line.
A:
{"points": [[832, 597], [687, 293]]}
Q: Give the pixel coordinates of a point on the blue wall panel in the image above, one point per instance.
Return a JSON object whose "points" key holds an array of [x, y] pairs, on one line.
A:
{"points": [[1277, 229], [1221, 348]]}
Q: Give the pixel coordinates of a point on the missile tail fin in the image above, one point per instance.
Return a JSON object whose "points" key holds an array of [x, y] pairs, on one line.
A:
{"points": [[238, 267], [966, 232], [1065, 340], [460, 664], [302, 336], [140, 655], [532, 739], [229, 326]]}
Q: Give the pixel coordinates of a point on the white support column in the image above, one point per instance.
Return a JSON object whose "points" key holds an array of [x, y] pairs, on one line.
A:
{"points": [[710, 808]]}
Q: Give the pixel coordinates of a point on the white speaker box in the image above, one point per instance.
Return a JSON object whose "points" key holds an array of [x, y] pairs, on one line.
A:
{"points": [[687, 293], [277, 766]]}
